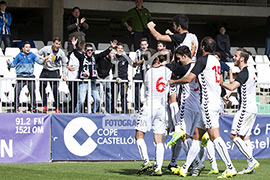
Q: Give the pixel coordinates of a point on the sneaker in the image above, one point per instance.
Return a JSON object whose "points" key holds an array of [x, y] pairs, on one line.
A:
{"points": [[156, 173], [172, 166], [175, 170], [204, 140], [145, 168], [215, 171], [57, 111], [44, 110], [195, 172], [16, 110], [227, 174], [182, 173], [176, 136], [252, 166], [245, 171]]}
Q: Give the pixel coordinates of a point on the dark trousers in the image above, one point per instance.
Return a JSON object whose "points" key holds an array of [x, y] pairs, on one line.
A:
{"points": [[54, 85], [137, 39], [73, 90], [5, 39], [115, 88], [31, 85], [137, 101]]}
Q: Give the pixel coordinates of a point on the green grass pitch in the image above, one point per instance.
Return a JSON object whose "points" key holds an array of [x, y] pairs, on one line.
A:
{"points": [[124, 170]]}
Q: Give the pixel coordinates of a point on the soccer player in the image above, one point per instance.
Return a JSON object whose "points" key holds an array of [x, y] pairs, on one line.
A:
{"points": [[245, 117], [179, 38], [189, 113], [152, 115], [207, 69]]}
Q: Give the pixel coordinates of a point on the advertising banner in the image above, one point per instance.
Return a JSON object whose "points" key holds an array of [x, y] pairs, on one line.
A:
{"points": [[259, 138], [111, 137], [24, 138]]}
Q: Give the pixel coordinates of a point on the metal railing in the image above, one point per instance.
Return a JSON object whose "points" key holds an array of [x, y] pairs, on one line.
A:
{"points": [[99, 96]]}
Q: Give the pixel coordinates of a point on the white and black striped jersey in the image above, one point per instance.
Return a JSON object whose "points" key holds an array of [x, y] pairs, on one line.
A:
{"points": [[207, 69], [185, 39], [189, 94], [247, 90]]}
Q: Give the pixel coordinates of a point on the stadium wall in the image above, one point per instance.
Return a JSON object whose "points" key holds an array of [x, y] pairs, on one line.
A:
{"points": [[63, 137]]}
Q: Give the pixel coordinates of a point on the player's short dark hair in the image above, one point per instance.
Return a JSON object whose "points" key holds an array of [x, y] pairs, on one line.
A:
{"points": [[26, 42], [3, 3], [181, 20], [209, 44], [144, 39], [76, 7], [244, 53], [56, 39], [161, 42], [183, 50], [120, 44], [217, 54]]}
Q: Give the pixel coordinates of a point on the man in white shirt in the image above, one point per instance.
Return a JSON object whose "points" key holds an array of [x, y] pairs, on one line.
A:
{"points": [[245, 117]]}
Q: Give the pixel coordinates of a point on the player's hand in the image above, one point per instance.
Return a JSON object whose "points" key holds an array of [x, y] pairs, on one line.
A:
{"points": [[6, 21], [168, 32], [78, 21], [82, 20], [151, 25], [7, 60], [170, 82]]}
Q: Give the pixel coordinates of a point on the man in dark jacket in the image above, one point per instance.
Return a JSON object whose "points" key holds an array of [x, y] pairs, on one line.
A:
{"points": [[120, 71], [88, 70], [104, 67], [76, 27]]}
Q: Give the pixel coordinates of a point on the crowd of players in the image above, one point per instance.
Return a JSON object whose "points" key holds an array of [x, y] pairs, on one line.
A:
{"points": [[193, 107]]}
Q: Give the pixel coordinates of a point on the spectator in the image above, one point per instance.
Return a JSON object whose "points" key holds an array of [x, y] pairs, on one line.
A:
{"points": [[136, 20], [138, 63], [72, 74], [104, 67], [88, 70], [56, 61], [162, 48], [120, 73], [5, 22], [24, 64], [76, 27], [223, 45], [267, 40]]}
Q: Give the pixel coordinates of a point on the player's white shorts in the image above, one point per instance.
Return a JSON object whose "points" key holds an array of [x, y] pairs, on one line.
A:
{"points": [[210, 119], [151, 118], [243, 123]]}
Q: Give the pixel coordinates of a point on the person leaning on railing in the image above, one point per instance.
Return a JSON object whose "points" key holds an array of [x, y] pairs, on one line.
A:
{"points": [[24, 64]]}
